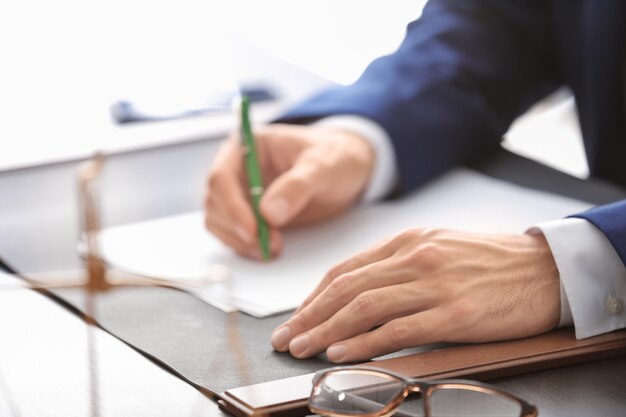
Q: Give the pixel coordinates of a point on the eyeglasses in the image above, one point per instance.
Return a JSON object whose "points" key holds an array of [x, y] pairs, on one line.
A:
{"points": [[373, 392]]}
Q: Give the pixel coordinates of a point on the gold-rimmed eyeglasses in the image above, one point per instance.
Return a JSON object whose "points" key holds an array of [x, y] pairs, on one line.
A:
{"points": [[372, 392]]}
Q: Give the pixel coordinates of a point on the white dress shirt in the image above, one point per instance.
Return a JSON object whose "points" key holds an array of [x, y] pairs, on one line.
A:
{"points": [[592, 276]]}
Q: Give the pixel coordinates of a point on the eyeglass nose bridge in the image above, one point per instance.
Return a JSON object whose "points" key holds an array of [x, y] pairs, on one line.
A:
{"points": [[416, 388]]}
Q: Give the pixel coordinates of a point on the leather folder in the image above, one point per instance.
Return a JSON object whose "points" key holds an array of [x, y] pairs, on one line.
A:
{"points": [[288, 397]]}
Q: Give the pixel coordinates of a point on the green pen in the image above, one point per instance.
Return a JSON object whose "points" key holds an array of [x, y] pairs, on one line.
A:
{"points": [[253, 170]]}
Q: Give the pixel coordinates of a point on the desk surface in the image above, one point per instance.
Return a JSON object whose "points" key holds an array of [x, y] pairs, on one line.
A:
{"points": [[39, 230], [46, 368]]}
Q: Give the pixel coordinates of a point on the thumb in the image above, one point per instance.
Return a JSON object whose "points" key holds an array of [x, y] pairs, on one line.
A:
{"points": [[289, 194]]}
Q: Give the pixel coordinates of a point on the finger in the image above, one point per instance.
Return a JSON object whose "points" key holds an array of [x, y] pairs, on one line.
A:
{"points": [[359, 316], [235, 210], [383, 250], [230, 237], [227, 191], [366, 257], [276, 243], [418, 329], [332, 299], [290, 192], [345, 291], [217, 216]]}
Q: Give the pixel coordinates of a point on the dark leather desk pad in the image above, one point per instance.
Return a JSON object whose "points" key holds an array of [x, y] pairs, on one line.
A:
{"points": [[219, 351], [288, 397]]}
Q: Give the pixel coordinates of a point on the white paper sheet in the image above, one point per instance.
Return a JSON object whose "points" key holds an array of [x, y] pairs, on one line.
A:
{"points": [[179, 247]]}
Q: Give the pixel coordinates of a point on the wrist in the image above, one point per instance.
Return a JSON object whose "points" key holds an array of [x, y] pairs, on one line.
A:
{"points": [[546, 276], [358, 156], [383, 177]]}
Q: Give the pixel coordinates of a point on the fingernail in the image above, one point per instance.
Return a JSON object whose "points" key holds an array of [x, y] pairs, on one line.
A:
{"points": [[299, 345], [336, 353], [243, 234], [280, 338], [279, 209]]}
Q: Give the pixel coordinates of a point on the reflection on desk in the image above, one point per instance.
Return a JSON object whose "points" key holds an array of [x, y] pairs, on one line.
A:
{"points": [[44, 368]]}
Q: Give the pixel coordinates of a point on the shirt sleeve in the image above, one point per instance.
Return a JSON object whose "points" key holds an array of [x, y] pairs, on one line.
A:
{"points": [[593, 277], [385, 174]]}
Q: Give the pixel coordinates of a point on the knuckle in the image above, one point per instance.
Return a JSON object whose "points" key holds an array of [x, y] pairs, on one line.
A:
{"points": [[321, 334], [457, 322], [299, 181], [216, 179], [322, 287], [430, 233], [318, 158], [402, 236], [399, 333], [387, 242], [335, 271], [406, 236], [364, 346], [460, 313], [428, 256], [365, 304], [340, 287], [456, 312], [301, 320]]}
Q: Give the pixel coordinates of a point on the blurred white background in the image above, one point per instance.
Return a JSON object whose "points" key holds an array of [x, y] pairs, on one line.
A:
{"points": [[65, 62]]}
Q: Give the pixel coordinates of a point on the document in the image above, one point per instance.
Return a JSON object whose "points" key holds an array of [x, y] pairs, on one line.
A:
{"points": [[179, 248]]}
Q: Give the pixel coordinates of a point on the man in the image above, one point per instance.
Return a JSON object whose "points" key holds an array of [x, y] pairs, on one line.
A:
{"points": [[464, 72]]}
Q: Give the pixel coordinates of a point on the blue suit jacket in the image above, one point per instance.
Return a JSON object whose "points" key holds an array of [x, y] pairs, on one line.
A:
{"points": [[467, 68]]}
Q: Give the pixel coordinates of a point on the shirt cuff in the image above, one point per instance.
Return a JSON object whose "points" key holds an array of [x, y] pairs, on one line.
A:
{"points": [[593, 277], [385, 173]]}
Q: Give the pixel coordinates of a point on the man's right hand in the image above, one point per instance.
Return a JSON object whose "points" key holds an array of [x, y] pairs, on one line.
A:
{"points": [[311, 173]]}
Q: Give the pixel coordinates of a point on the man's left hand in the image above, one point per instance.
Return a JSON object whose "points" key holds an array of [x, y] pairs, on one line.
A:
{"points": [[427, 286]]}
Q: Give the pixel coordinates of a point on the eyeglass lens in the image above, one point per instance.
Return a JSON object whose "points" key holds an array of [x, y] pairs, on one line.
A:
{"points": [[455, 402], [355, 393]]}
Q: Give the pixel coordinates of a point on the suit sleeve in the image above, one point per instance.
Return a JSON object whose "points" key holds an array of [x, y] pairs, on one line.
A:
{"points": [[464, 71]]}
